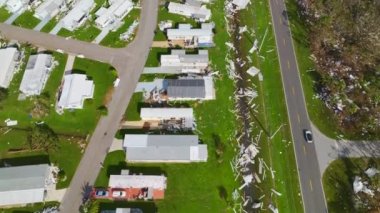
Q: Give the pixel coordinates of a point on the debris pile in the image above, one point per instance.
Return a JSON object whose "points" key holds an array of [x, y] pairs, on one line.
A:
{"points": [[240, 69], [366, 190], [346, 51], [130, 32]]}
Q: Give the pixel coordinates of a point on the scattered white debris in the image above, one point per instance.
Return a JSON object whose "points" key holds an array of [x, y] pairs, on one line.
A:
{"points": [[116, 82], [131, 30], [262, 42], [163, 25], [230, 45], [360, 186], [257, 178], [235, 194], [248, 178], [261, 78], [253, 71], [254, 47], [370, 172], [10, 122], [272, 208], [243, 29], [257, 205], [276, 192]]}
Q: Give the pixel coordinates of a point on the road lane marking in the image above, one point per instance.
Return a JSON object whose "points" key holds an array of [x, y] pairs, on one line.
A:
{"points": [[304, 149], [293, 91], [284, 41], [288, 65], [311, 185], [280, 19], [298, 118]]}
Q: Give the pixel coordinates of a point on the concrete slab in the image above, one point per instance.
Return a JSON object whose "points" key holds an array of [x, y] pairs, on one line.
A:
{"points": [[42, 24], [117, 144], [56, 29], [55, 195], [101, 36], [14, 16]]}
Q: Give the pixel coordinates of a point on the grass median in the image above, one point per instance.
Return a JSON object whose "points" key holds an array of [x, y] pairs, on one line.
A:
{"points": [[276, 149]]}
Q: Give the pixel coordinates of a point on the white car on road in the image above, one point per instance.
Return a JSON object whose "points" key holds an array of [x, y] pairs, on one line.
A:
{"points": [[308, 136]]}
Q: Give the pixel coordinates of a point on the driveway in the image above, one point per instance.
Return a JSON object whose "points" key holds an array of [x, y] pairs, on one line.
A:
{"points": [[329, 149]]}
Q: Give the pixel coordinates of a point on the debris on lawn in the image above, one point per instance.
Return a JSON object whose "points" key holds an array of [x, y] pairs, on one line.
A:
{"points": [[130, 32], [360, 186], [370, 172], [163, 25], [253, 71], [273, 208], [10, 122]]}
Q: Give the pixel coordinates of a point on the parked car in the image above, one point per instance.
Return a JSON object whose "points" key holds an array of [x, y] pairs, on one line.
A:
{"points": [[119, 194], [308, 136], [101, 193]]}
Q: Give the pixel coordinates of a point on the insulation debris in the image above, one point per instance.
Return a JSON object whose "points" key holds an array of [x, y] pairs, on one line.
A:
{"points": [[273, 208], [276, 192], [10, 122], [254, 47], [253, 71]]}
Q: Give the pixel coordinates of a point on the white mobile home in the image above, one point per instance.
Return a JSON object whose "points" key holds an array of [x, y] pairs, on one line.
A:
{"points": [[16, 5], [3, 2], [118, 10], [201, 14], [23, 184], [164, 148], [76, 89], [48, 9], [150, 114], [78, 15], [185, 63], [36, 74], [8, 61], [187, 89], [202, 37]]}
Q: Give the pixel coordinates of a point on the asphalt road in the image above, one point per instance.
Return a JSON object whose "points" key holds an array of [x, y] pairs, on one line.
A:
{"points": [[129, 62], [306, 156]]}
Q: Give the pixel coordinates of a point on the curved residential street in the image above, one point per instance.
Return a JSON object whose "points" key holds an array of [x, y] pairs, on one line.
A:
{"points": [[129, 62]]}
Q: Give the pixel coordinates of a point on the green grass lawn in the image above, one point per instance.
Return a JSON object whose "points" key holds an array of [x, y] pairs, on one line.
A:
{"points": [[4, 14], [14, 150], [278, 151], [133, 111], [320, 115], [30, 208], [112, 39], [154, 56], [49, 26], [26, 20], [338, 179], [79, 122], [87, 32]]}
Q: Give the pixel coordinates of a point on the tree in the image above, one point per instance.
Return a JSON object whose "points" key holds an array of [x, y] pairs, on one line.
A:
{"points": [[42, 137]]}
